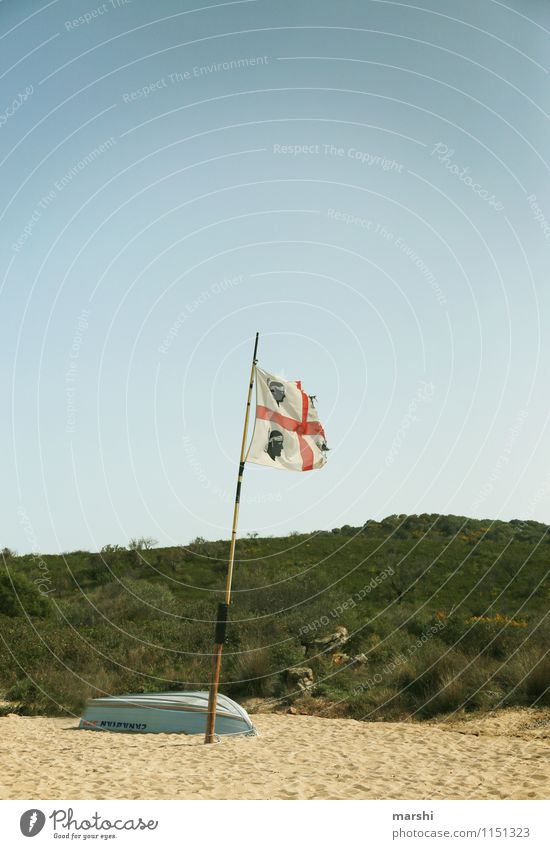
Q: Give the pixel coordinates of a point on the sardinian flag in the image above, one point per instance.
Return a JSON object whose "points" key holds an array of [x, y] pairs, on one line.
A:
{"points": [[287, 433]]}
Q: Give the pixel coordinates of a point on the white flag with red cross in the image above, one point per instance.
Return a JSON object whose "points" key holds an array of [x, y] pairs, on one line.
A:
{"points": [[287, 433]]}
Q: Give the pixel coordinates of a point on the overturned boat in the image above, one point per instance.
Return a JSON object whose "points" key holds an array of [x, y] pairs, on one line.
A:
{"points": [[165, 713]]}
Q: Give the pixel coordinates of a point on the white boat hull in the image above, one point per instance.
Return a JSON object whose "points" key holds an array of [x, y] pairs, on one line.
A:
{"points": [[165, 713]]}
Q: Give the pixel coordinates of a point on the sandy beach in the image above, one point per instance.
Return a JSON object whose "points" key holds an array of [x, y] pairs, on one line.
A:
{"points": [[501, 756]]}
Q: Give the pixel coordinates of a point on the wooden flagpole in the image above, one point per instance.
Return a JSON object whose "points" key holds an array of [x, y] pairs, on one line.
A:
{"points": [[223, 609]]}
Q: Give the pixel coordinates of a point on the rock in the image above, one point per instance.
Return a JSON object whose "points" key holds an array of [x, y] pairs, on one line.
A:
{"points": [[328, 642], [340, 658], [300, 677]]}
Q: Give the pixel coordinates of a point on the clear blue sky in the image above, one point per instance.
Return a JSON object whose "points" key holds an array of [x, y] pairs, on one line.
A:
{"points": [[365, 183]]}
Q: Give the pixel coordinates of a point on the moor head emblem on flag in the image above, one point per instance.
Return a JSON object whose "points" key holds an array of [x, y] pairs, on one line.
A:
{"points": [[287, 432], [277, 389], [275, 444]]}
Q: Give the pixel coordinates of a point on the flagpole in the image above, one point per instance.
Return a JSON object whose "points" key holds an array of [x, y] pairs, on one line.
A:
{"points": [[223, 608]]}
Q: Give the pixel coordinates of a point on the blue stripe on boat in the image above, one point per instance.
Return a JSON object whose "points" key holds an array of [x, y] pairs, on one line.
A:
{"points": [[165, 713]]}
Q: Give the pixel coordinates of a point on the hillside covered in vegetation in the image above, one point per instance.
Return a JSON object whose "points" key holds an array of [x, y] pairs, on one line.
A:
{"points": [[442, 614]]}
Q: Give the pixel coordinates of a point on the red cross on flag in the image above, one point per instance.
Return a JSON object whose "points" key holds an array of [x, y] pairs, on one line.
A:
{"points": [[287, 433]]}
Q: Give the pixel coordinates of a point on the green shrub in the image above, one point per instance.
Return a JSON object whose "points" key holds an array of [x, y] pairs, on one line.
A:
{"points": [[251, 674], [18, 596], [537, 683], [143, 620]]}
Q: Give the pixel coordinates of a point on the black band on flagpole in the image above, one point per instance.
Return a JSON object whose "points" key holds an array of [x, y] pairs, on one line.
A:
{"points": [[239, 483], [221, 624]]}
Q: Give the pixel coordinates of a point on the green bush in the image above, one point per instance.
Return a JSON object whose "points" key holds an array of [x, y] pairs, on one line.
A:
{"points": [[18, 596], [537, 682], [251, 674], [143, 620]]}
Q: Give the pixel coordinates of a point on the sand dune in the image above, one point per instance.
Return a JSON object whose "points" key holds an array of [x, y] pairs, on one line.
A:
{"points": [[503, 756]]}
